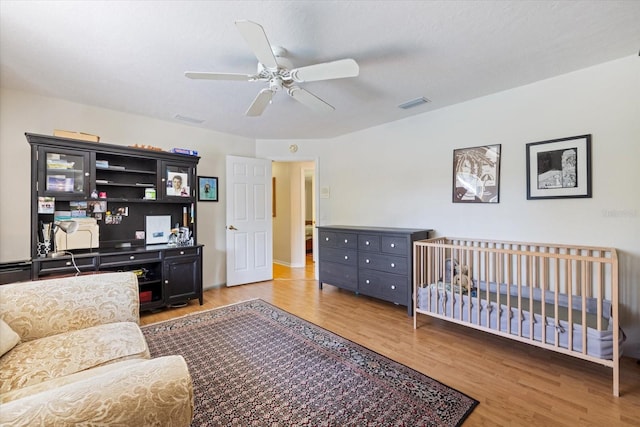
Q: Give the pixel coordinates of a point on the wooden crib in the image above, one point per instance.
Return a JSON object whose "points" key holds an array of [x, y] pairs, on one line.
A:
{"points": [[558, 297]]}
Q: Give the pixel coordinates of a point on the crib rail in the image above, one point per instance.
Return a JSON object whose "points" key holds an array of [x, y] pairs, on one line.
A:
{"points": [[548, 295]]}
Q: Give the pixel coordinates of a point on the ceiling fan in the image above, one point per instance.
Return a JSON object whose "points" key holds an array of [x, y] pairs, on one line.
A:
{"points": [[278, 71]]}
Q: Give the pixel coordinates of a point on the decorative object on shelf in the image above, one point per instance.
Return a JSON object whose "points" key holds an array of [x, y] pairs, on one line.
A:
{"points": [[46, 205], [178, 183], [184, 151], [157, 229], [149, 193], [207, 189], [476, 174], [44, 248], [76, 135], [146, 147], [559, 168]]}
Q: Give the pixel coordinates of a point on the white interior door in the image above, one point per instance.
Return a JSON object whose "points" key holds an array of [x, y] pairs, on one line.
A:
{"points": [[249, 220]]}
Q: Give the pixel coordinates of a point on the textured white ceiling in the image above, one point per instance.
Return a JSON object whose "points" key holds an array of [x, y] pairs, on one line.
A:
{"points": [[131, 55]]}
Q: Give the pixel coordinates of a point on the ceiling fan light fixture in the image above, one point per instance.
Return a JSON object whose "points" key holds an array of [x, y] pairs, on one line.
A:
{"points": [[414, 103]]}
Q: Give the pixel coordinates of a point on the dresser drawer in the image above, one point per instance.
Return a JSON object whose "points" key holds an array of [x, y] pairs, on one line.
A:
{"points": [[344, 276], [137, 257], [342, 256], [381, 262], [394, 245], [338, 240], [389, 287], [369, 242]]}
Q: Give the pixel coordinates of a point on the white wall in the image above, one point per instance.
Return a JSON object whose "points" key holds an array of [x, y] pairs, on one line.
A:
{"points": [[21, 112], [400, 174]]}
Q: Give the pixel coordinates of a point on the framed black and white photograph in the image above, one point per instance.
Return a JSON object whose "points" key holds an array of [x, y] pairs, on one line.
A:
{"points": [[476, 174], [207, 189], [559, 168]]}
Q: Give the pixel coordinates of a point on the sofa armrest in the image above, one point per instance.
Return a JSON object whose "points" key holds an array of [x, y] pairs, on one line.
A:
{"points": [[47, 307], [152, 392]]}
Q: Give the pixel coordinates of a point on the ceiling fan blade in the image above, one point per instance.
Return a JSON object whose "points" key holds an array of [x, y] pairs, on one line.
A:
{"points": [[260, 103], [310, 100], [258, 42], [219, 76], [326, 71]]}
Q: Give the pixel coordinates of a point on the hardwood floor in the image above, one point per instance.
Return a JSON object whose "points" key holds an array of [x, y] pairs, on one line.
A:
{"points": [[516, 384]]}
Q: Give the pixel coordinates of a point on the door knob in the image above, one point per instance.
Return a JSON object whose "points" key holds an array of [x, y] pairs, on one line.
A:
{"points": [[231, 227]]}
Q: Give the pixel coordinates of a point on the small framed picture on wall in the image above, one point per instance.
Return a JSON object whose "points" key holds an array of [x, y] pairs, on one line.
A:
{"points": [[207, 189]]}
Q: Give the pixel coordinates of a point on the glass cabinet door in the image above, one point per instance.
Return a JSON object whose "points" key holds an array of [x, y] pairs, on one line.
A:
{"points": [[63, 172], [177, 180]]}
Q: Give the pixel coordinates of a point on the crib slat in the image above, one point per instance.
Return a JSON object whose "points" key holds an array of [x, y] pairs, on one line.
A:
{"points": [[584, 307]]}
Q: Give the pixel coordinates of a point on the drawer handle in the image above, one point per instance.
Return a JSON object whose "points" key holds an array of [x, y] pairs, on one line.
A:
{"points": [[346, 257], [367, 261], [393, 245], [166, 282], [367, 281], [68, 263], [346, 240], [326, 239], [366, 243], [393, 265], [393, 287], [181, 252], [132, 257]]}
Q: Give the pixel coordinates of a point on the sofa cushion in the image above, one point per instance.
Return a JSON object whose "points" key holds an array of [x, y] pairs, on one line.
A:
{"points": [[8, 337], [155, 392], [33, 362], [55, 383]]}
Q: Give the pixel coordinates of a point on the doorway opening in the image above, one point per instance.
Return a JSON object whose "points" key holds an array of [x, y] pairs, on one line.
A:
{"points": [[294, 233]]}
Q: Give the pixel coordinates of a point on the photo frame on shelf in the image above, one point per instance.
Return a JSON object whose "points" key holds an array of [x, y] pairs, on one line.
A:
{"points": [[476, 174], [559, 168], [207, 189], [157, 229], [178, 183]]}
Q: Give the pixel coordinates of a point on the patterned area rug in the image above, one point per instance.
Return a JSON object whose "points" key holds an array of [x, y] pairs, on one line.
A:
{"points": [[254, 364]]}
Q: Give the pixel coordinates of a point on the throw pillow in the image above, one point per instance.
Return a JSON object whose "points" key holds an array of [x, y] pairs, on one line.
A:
{"points": [[8, 338]]}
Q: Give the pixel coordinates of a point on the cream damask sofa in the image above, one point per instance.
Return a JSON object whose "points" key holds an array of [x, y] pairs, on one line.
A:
{"points": [[73, 354]]}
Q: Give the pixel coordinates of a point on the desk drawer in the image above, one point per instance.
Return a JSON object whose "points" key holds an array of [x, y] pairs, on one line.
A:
{"points": [[137, 258], [182, 251], [64, 265], [381, 262]]}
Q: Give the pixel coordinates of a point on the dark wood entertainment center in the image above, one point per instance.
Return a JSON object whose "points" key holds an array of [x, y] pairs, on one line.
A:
{"points": [[70, 173]]}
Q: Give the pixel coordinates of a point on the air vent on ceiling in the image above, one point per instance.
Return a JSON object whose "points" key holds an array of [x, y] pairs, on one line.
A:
{"points": [[188, 119], [413, 103]]}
